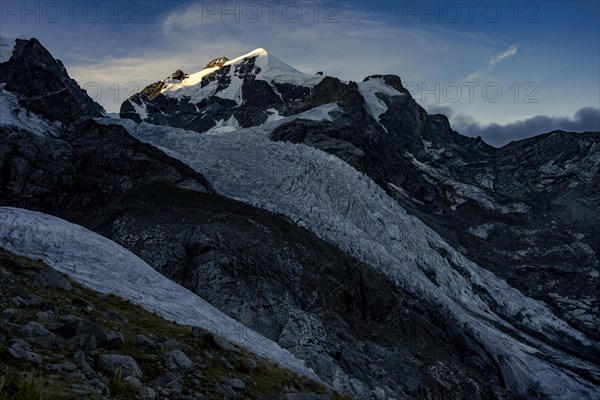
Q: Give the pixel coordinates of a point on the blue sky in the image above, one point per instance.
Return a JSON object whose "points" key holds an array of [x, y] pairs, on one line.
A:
{"points": [[503, 70]]}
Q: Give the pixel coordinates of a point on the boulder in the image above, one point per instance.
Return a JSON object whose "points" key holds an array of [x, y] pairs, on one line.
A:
{"points": [[54, 278], [111, 363], [113, 341], [35, 329], [177, 361], [235, 383], [21, 352]]}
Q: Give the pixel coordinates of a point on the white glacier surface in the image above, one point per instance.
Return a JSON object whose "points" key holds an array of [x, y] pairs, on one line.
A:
{"points": [[104, 266], [329, 198]]}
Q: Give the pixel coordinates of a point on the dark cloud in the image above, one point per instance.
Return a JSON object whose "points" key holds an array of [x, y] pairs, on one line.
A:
{"points": [[586, 119], [446, 110]]}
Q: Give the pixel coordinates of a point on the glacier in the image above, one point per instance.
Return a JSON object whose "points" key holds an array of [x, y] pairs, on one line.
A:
{"points": [[104, 266], [326, 196]]}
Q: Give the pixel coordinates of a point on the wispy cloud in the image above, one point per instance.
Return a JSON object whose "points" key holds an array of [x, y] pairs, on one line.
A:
{"points": [[493, 62], [511, 51]]}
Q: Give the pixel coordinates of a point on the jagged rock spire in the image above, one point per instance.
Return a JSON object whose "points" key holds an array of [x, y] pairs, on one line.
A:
{"points": [[217, 62]]}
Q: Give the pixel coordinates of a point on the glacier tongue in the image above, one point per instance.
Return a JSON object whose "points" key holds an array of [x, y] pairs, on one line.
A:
{"points": [[328, 197], [106, 267]]}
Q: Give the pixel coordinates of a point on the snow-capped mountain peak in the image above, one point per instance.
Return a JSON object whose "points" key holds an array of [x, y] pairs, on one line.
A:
{"points": [[268, 64], [266, 61], [251, 84], [225, 79], [254, 53]]}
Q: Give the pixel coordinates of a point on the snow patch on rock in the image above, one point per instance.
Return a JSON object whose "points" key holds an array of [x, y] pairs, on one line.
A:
{"points": [[481, 231], [140, 109], [369, 89], [12, 114], [222, 126]]}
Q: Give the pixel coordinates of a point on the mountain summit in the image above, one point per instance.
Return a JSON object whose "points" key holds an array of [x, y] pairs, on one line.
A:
{"points": [[43, 84], [251, 83]]}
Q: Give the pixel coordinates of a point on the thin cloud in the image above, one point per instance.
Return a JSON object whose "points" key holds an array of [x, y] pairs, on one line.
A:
{"points": [[493, 62], [511, 51]]}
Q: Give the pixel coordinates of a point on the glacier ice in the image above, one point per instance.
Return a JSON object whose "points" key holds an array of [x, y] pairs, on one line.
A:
{"points": [[329, 198]]}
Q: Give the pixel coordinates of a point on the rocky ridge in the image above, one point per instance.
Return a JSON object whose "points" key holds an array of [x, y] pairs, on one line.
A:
{"points": [[41, 82]]}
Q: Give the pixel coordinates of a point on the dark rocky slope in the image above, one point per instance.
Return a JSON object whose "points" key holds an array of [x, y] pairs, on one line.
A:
{"points": [[42, 83], [89, 165]]}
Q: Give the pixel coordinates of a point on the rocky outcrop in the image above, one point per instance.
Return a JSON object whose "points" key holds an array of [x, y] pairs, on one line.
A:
{"points": [[217, 62], [43, 85], [87, 165], [178, 75]]}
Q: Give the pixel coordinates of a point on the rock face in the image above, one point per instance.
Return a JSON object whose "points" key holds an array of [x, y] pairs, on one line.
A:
{"points": [[44, 86], [86, 166], [217, 62]]}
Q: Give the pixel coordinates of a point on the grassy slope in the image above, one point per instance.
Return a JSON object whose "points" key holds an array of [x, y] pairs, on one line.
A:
{"points": [[115, 314]]}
